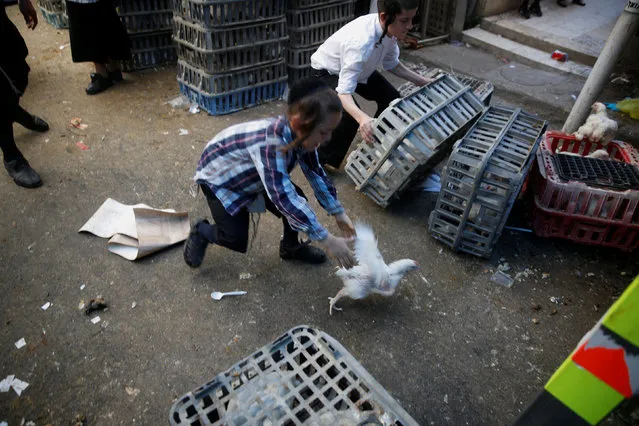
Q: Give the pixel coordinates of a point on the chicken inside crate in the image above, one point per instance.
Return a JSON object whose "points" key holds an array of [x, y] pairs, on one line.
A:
{"points": [[587, 192]]}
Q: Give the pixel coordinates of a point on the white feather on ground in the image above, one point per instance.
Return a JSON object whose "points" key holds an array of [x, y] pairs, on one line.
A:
{"points": [[371, 275]]}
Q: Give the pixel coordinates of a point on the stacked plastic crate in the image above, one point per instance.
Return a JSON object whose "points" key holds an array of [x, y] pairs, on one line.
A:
{"points": [[54, 12], [150, 28], [310, 23], [230, 52], [587, 192]]}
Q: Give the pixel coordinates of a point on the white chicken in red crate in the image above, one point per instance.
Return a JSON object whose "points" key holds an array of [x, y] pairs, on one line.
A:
{"points": [[371, 275], [598, 127]]}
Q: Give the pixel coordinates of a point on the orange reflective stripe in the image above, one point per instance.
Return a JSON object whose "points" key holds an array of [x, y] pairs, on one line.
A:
{"points": [[608, 364]]}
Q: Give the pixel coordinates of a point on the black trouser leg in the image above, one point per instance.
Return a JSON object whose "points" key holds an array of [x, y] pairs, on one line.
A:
{"points": [[291, 236], [8, 145], [229, 231], [9, 103], [334, 151], [378, 89]]}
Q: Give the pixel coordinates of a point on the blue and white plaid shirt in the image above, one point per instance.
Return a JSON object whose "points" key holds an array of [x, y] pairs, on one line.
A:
{"points": [[245, 160]]}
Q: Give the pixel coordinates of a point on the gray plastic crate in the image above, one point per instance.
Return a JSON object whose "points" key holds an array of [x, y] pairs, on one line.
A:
{"points": [[216, 84], [483, 178], [261, 44], [298, 60], [219, 13], [306, 18], [230, 38], [318, 33], [303, 4], [483, 89], [411, 136], [149, 50], [303, 377]]}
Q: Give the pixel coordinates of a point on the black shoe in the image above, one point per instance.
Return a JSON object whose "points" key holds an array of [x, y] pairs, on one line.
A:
{"points": [[562, 3], [578, 2], [195, 246], [98, 84], [22, 173], [535, 9], [34, 123], [523, 11], [116, 76], [304, 252]]}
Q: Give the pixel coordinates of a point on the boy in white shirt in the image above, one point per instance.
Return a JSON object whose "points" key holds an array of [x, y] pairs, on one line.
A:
{"points": [[348, 61]]}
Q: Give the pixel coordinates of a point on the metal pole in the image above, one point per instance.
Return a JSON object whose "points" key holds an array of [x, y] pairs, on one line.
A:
{"points": [[460, 18], [424, 18], [624, 29]]}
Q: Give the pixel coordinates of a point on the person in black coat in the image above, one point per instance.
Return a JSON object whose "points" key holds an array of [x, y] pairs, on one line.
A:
{"points": [[14, 77]]}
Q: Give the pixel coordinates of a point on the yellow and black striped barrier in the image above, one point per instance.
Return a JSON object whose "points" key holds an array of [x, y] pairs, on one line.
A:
{"points": [[601, 373]]}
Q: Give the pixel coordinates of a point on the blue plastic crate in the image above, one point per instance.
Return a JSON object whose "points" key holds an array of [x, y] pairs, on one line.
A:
{"points": [[57, 19], [240, 99]]}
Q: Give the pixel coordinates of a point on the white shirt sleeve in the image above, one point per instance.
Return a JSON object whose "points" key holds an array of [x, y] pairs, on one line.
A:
{"points": [[391, 58], [353, 56]]}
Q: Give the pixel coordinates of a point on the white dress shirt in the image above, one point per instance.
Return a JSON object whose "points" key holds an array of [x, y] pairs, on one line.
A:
{"points": [[353, 54]]}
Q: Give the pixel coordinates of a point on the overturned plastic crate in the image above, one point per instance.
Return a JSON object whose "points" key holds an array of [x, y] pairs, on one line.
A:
{"points": [[303, 377], [599, 208], [482, 179], [150, 50], [226, 49], [483, 89], [140, 16], [219, 13], [411, 136]]}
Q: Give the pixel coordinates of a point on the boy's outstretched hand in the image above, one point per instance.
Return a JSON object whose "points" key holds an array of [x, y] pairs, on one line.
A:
{"points": [[345, 225], [338, 249]]}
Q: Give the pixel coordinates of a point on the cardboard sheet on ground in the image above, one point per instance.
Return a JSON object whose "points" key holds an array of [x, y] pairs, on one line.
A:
{"points": [[138, 230]]}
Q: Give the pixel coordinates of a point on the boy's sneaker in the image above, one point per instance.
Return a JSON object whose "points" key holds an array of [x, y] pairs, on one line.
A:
{"points": [[304, 252], [195, 246]]}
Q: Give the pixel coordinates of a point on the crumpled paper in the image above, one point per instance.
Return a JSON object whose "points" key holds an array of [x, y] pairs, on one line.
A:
{"points": [[135, 231]]}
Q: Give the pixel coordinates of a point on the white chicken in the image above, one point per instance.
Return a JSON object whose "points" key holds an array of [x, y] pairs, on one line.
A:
{"points": [[371, 275], [598, 127]]}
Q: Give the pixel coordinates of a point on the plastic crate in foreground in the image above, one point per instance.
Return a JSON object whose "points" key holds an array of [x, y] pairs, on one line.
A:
{"points": [[482, 180], [303, 377], [411, 136], [577, 211]]}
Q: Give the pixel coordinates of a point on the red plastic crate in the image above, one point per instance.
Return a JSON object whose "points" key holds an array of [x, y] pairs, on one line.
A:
{"points": [[575, 211]]}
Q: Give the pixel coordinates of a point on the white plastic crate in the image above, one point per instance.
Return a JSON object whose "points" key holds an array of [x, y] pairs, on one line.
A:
{"points": [[483, 178], [411, 136], [483, 89], [303, 377]]}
